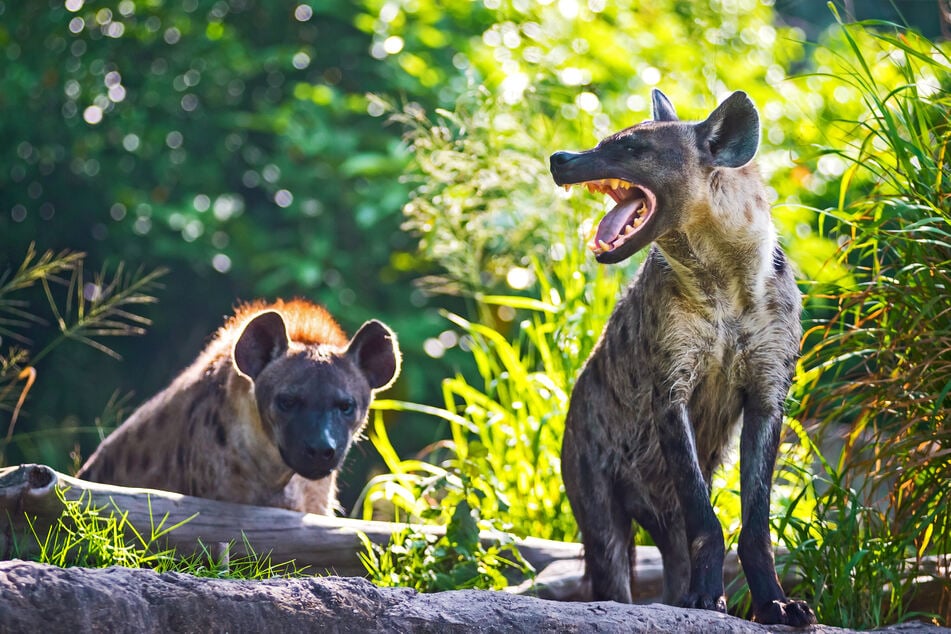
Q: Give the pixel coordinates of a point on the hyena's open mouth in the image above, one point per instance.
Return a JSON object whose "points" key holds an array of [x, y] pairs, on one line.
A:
{"points": [[632, 212]]}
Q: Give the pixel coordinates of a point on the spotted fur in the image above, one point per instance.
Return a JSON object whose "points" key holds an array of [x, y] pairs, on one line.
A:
{"points": [[264, 416], [704, 340]]}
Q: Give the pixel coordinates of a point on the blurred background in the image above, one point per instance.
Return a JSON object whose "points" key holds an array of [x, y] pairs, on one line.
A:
{"points": [[250, 149]]}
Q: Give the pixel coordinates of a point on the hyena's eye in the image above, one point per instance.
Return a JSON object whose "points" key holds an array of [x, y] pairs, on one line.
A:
{"points": [[347, 407], [637, 146], [286, 402]]}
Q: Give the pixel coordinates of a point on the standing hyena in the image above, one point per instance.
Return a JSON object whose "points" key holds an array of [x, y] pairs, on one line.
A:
{"points": [[706, 336], [264, 416]]}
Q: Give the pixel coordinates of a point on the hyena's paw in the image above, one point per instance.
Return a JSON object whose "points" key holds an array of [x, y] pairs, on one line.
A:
{"points": [[704, 602], [795, 613]]}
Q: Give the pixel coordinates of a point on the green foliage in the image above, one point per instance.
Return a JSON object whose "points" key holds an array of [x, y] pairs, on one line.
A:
{"points": [[486, 211], [881, 363], [479, 206], [195, 130], [457, 560], [495, 424], [98, 537], [82, 309], [545, 77], [232, 141]]}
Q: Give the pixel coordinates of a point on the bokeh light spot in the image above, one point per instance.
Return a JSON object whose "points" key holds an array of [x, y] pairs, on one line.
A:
{"points": [[283, 198], [303, 13], [131, 142], [221, 263], [433, 348], [92, 115], [301, 60], [393, 45]]}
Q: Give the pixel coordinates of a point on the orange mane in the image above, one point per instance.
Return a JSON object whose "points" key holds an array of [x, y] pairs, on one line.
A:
{"points": [[306, 322]]}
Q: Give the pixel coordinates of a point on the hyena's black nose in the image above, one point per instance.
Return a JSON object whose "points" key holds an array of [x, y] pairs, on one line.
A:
{"points": [[322, 449], [559, 159], [325, 453]]}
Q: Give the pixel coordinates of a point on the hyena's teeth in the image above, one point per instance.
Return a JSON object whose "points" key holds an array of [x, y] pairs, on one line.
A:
{"points": [[594, 247], [604, 246], [628, 230], [567, 188], [638, 221]]}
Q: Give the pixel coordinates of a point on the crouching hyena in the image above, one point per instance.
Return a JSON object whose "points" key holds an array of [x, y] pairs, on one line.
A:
{"points": [[706, 336], [264, 416]]}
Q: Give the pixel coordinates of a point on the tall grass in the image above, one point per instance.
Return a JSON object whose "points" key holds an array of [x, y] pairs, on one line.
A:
{"points": [[506, 430], [879, 374], [99, 536]]}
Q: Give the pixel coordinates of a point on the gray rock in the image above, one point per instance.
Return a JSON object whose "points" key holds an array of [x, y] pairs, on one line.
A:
{"points": [[46, 599]]}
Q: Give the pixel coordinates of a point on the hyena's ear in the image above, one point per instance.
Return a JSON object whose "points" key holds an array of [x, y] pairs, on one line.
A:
{"points": [[263, 339], [731, 132], [376, 353], [663, 110]]}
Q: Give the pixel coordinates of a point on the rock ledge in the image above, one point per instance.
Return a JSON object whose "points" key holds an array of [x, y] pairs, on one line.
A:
{"points": [[40, 598]]}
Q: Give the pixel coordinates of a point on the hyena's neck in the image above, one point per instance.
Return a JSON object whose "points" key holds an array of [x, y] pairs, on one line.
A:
{"points": [[724, 252]]}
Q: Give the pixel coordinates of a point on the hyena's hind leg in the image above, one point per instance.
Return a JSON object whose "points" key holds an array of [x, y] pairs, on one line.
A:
{"points": [[670, 538], [606, 536]]}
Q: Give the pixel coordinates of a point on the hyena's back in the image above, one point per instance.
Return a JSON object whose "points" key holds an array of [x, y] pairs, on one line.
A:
{"points": [[167, 442]]}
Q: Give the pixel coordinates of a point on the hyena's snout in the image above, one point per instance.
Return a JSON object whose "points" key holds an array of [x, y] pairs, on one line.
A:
{"points": [[321, 449], [632, 222], [314, 441]]}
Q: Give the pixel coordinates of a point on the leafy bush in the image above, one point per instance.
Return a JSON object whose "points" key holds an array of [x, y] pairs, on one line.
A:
{"points": [[493, 420], [457, 560], [229, 142], [233, 143]]}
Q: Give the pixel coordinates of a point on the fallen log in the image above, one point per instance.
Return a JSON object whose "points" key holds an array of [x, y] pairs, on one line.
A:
{"points": [[323, 544]]}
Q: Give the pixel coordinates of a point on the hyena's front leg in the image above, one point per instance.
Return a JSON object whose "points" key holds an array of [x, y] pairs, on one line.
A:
{"points": [[759, 441], [704, 535]]}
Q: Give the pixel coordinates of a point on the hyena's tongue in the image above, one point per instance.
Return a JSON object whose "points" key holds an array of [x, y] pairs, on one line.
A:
{"points": [[623, 214]]}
